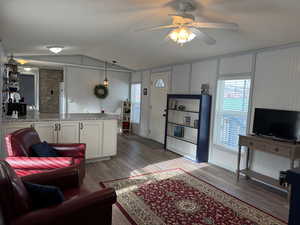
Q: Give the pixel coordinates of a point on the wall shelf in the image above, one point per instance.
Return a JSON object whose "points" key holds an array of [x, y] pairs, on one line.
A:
{"points": [[182, 125], [182, 139]]}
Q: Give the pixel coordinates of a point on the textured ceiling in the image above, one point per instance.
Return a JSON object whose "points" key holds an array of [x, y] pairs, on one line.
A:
{"points": [[105, 29]]}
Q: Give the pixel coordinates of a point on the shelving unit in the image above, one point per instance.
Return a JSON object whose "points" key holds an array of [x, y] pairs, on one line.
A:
{"points": [[125, 120], [187, 125]]}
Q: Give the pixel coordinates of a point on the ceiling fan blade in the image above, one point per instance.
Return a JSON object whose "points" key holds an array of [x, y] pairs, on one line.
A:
{"points": [[226, 26], [203, 36], [157, 27]]}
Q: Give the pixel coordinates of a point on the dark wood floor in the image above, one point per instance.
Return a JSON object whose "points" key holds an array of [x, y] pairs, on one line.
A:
{"points": [[138, 155]]}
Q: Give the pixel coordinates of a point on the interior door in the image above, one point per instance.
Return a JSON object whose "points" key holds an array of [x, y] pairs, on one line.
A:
{"points": [[158, 102]]}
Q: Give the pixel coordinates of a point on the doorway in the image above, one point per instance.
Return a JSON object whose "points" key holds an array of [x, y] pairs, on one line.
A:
{"points": [[158, 101]]}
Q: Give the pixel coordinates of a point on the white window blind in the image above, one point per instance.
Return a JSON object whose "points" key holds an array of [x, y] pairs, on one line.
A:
{"points": [[135, 102], [231, 111]]}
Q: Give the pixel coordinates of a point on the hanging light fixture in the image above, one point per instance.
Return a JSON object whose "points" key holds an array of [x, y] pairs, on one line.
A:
{"points": [[105, 81], [181, 35]]}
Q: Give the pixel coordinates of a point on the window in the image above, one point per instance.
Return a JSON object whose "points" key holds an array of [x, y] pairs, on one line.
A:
{"points": [[231, 112], [159, 83], [135, 102]]}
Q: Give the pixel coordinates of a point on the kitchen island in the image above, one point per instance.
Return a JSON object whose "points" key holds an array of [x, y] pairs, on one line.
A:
{"points": [[98, 131]]}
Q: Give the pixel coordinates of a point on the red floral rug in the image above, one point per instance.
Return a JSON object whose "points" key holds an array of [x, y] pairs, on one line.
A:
{"points": [[175, 197]]}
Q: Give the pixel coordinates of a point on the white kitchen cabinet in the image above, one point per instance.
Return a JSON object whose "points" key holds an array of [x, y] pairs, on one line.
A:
{"points": [[100, 136], [47, 131], [110, 129], [91, 134], [68, 132]]}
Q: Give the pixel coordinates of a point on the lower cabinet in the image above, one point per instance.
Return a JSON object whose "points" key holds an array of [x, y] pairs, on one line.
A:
{"points": [[47, 131], [91, 134], [68, 132], [100, 136], [110, 128]]}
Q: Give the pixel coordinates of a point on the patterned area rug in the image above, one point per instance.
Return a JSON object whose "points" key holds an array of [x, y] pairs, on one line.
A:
{"points": [[175, 197]]}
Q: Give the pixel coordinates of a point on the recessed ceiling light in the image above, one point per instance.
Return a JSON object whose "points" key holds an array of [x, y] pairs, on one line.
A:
{"points": [[27, 69], [55, 49]]}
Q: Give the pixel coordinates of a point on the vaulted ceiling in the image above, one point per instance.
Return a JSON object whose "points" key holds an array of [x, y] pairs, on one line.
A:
{"points": [[106, 29]]}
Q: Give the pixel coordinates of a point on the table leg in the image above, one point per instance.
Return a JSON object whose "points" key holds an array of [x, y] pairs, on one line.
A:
{"points": [[247, 161], [238, 164]]}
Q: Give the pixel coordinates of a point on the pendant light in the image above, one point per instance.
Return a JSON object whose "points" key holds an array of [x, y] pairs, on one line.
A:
{"points": [[105, 82]]}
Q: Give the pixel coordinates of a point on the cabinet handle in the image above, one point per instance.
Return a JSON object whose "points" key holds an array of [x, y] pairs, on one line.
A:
{"points": [[59, 126], [81, 126], [55, 127]]}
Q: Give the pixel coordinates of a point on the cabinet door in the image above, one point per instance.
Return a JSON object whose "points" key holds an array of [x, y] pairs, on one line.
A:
{"points": [[47, 131], [110, 130], [68, 132], [91, 135]]}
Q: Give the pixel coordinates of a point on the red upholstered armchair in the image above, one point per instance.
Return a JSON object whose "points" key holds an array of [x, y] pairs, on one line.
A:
{"points": [[80, 206], [18, 146]]}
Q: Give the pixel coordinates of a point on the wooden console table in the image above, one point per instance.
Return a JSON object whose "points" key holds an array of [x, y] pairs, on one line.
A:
{"points": [[284, 149]]}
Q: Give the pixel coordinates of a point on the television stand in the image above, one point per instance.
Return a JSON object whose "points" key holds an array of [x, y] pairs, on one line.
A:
{"points": [[268, 145]]}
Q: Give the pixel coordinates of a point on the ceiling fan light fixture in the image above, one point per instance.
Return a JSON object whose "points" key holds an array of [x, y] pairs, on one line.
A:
{"points": [[22, 61], [55, 49], [181, 35]]}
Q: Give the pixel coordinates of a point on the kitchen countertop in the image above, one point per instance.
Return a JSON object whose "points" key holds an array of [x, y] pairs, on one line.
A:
{"points": [[36, 117]]}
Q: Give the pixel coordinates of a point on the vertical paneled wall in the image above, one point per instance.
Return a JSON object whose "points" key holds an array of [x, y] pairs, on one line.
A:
{"points": [[79, 88], [276, 81]]}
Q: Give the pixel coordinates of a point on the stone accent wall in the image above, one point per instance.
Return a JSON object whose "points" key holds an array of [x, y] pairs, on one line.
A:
{"points": [[49, 90]]}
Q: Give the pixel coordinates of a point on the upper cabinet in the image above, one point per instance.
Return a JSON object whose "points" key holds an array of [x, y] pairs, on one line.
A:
{"points": [[236, 64]]}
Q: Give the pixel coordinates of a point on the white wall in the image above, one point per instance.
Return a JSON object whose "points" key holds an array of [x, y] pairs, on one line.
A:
{"points": [[276, 82], [2, 60], [79, 88]]}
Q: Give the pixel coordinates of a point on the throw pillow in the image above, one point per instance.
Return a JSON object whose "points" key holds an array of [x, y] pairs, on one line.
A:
{"points": [[44, 196], [43, 149]]}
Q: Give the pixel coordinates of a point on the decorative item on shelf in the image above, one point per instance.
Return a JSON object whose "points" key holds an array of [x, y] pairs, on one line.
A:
{"points": [[196, 122], [101, 91], [179, 131], [181, 107], [187, 120], [205, 89]]}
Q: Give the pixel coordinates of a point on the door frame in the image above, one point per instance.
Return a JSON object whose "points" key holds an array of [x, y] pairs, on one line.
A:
{"points": [[169, 74]]}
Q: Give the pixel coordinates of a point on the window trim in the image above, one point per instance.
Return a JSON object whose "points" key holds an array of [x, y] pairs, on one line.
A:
{"points": [[248, 76], [141, 88]]}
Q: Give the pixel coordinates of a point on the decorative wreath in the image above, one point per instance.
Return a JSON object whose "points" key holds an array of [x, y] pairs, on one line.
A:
{"points": [[101, 91]]}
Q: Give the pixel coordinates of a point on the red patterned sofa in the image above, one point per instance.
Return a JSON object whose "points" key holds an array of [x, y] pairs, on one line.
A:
{"points": [[81, 206], [18, 146]]}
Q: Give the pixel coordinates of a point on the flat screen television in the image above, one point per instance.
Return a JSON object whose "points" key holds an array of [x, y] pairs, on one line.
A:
{"points": [[279, 124]]}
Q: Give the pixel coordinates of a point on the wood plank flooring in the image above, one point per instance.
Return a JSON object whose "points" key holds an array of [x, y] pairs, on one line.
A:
{"points": [[137, 155]]}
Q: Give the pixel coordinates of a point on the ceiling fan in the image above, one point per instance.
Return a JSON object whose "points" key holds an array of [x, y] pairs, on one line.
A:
{"points": [[185, 27]]}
